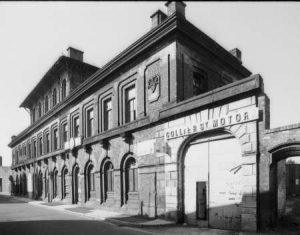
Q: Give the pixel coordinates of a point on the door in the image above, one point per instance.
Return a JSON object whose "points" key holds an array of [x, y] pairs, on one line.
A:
{"points": [[75, 185], [225, 184], [212, 187], [195, 170]]}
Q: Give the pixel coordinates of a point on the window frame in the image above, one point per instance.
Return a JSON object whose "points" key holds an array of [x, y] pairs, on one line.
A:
{"points": [[54, 97], [63, 89], [40, 144], [89, 122], [204, 77], [127, 103], [55, 129], [107, 114], [46, 103]]}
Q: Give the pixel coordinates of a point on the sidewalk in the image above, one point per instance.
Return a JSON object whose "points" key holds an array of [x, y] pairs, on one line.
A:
{"points": [[97, 214], [153, 226]]}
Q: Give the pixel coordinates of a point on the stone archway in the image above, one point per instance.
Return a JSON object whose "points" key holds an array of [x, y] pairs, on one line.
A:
{"points": [[204, 174], [279, 154]]}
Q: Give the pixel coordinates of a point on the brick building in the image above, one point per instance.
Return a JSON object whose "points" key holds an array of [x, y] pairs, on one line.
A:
{"points": [[174, 126], [5, 173]]}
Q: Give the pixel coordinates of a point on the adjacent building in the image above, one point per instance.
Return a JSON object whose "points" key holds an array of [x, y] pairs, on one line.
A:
{"points": [[5, 179], [174, 126]]}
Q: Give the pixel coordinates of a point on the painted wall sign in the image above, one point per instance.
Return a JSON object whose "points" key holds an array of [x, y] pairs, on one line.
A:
{"points": [[219, 122]]}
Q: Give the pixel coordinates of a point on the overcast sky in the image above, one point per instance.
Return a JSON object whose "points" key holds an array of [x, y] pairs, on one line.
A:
{"points": [[34, 34]]}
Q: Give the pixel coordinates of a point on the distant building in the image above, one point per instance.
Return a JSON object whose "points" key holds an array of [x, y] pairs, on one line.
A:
{"points": [[5, 173], [174, 126]]}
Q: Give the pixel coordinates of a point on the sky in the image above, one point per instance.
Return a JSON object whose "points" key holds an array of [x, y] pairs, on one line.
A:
{"points": [[34, 34]]}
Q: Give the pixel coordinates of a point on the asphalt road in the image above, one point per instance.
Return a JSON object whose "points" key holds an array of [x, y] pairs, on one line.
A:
{"points": [[17, 217]]}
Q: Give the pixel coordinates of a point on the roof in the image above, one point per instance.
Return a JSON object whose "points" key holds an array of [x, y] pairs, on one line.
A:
{"points": [[172, 24], [47, 78]]}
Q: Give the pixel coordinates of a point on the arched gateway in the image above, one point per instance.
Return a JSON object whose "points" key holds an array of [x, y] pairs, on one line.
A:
{"points": [[279, 154], [210, 174]]}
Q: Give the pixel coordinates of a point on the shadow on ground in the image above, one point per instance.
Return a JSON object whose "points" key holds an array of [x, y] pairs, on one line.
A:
{"points": [[290, 221], [62, 227]]}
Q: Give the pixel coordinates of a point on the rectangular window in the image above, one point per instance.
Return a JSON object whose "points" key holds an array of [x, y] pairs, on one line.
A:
{"points": [[0, 184], [130, 104], [107, 114], [24, 150], [76, 127], [200, 83], [55, 139], [64, 132], [29, 150], [33, 115], [89, 122], [34, 148], [40, 146], [47, 143]]}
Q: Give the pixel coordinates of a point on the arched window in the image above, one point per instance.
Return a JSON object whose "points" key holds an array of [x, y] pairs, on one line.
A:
{"points": [[107, 179], [89, 181], [46, 104], [63, 89], [130, 177], [40, 184], [40, 109], [55, 178], [75, 184], [54, 97], [63, 182]]}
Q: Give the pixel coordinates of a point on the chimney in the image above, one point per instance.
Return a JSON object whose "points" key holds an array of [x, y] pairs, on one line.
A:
{"points": [[237, 54], [13, 137], [176, 7], [0, 161], [157, 17], [75, 54]]}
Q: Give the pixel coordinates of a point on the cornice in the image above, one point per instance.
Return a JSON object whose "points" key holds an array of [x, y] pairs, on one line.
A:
{"points": [[173, 24], [234, 90], [128, 54]]}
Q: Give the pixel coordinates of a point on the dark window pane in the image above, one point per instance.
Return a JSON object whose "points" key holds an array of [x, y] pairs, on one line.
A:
{"points": [[200, 83], [64, 132], [46, 104], [76, 127], [64, 89]]}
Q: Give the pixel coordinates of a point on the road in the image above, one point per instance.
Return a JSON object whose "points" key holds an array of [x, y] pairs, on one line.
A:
{"points": [[20, 218]]}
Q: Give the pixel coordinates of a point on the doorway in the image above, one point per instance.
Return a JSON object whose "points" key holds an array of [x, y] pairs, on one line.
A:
{"points": [[75, 183], [212, 182], [284, 185]]}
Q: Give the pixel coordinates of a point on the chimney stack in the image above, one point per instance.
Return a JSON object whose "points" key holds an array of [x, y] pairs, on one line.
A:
{"points": [[75, 54], [176, 7], [157, 17], [237, 53], [0, 161]]}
